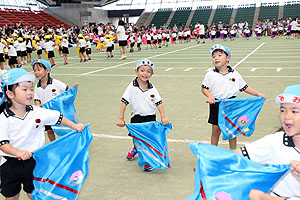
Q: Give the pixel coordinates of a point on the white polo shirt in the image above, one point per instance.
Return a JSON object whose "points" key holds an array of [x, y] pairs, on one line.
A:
{"points": [[142, 102], [12, 51], [224, 86], [49, 45], [82, 43], [276, 149], [54, 88], [121, 33], [26, 133]]}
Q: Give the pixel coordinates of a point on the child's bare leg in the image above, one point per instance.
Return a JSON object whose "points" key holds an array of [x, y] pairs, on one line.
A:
{"points": [[51, 135], [215, 134], [14, 197], [232, 143], [29, 196]]}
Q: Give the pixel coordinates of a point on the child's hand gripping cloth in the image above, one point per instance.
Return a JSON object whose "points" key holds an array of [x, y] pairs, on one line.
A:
{"points": [[237, 116], [150, 141], [224, 173], [64, 103], [62, 166]]}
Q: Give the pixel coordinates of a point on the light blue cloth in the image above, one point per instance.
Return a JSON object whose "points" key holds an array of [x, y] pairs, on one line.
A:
{"points": [[151, 143], [221, 170], [237, 116], [64, 103], [62, 166]]}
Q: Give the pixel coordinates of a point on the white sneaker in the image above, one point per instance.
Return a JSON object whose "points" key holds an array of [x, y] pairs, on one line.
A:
{"points": [[123, 57]]}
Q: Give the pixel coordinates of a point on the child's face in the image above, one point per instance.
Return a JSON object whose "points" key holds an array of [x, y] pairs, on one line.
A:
{"points": [[23, 93], [220, 58], [144, 72], [290, 118], [39, 71]]}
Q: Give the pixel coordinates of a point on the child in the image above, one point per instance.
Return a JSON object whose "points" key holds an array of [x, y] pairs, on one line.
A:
{"points": [[82, 45], [21, 132], [36, 44], [12, 53], [88, 49], [65, 47], [28, 48], [282, 147], [50, 46], [23, 51], [2, 60], [132, 43], [47, 88], [144, 100], [139, 42], [109, 45], [222, 83]]}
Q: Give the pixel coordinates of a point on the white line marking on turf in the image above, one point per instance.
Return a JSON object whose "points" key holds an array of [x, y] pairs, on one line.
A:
{"points": [[209, 69], [168, 140], [115, 66], [278, 69], [252, 52], [253, 69], [169, 69], [188, 69]]}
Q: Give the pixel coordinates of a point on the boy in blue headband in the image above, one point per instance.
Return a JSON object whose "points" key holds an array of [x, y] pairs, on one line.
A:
{"points": [[143, 99]]}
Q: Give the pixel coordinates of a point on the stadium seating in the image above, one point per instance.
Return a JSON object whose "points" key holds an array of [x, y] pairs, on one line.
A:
{"points": [[291, 11], [201, 15], [29, 18], [245, 14], [268, 12], [222, 15], [180, 17], [161, 17]]}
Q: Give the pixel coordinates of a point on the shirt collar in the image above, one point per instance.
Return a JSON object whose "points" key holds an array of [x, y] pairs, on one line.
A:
{"points": [[229, 70], [136, 84], [49, 82], [9, 113], [288, 140]]}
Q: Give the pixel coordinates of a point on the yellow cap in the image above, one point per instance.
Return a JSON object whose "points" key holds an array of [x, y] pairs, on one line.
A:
{"points": [[47, 37], [65, 35], [10, 40], [37, 38], [15, 35], [60, 37], [86, 37], [107, 36], [27, 36], [80, 36], [20, 39]]}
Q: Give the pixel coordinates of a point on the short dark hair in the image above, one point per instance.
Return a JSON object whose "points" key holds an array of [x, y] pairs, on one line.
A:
{"points": [[121, 23]]}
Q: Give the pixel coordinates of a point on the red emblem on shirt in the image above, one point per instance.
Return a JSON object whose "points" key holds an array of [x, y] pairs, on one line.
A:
{"points": [[53, 90], [152, 96], [37, 121], [233, 79]]}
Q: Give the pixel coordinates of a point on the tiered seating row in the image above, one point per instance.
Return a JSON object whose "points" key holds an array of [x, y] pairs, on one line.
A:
{"points": [[28, 18]]}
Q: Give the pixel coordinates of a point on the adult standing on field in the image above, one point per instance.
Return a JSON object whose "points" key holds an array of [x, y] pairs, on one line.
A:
{"points": [[122, 38]]}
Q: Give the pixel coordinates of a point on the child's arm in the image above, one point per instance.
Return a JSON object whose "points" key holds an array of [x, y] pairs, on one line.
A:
{"points": [[295, 167], [259, 195], [37, 103], [79, 127], [164, 120], [211, 98], [8, 149], [121, 118], [253, 92]]}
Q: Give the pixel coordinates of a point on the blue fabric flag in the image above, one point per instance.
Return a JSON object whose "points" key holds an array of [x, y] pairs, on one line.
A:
{"points": [[150, 141], [62, 166], [237, 116], [227, 175], [64, 103]]}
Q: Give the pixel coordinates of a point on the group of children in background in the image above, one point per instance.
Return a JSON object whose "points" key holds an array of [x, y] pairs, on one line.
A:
{"points": [[141, 95]]}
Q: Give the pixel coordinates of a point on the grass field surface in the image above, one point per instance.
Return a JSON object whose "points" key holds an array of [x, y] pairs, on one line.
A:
{"points": [[268, 65]]}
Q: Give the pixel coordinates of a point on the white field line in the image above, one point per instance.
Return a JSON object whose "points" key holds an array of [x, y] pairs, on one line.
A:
{"points": [[252, 52], [278, 69], [169, 69], [168, 140], [171, 75], [115, 66], [253, 69], [188, 69]]}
